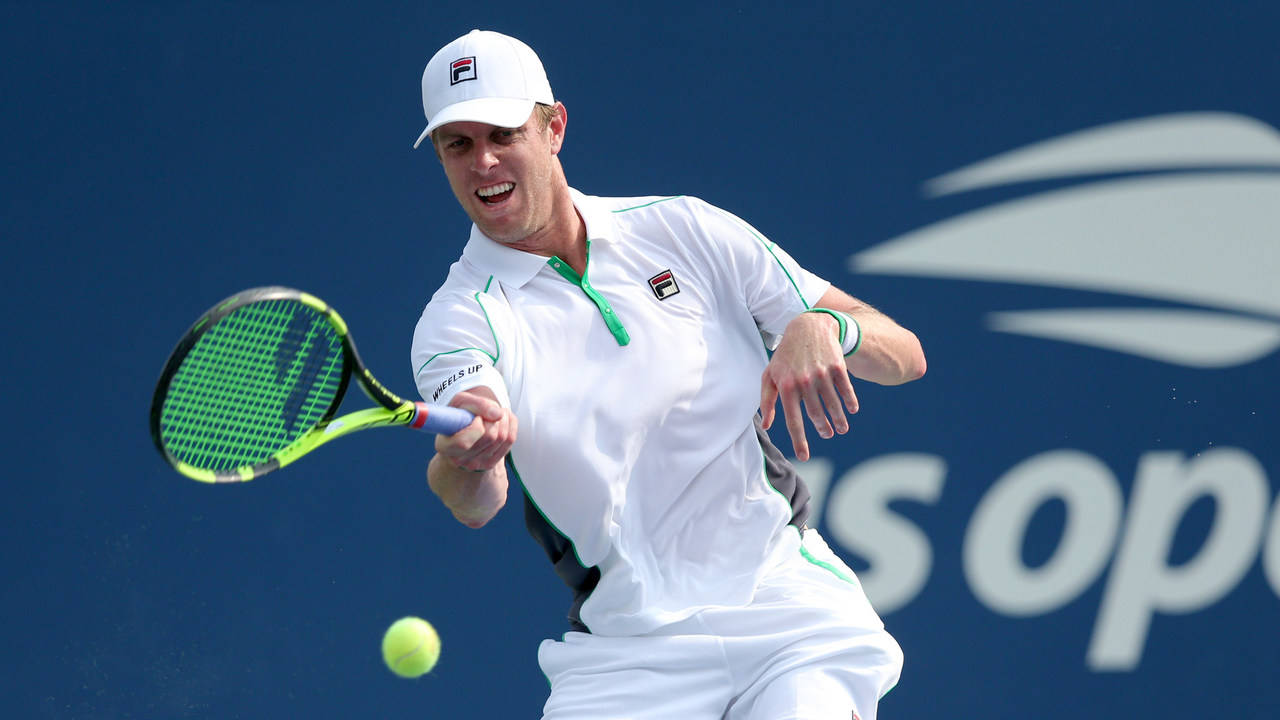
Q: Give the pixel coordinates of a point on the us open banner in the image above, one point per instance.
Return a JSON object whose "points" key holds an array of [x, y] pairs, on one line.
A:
{"points": [[1099, 476]]}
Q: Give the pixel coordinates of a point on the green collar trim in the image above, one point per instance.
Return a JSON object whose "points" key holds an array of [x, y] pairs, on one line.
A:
{"points": [[606, 311]]}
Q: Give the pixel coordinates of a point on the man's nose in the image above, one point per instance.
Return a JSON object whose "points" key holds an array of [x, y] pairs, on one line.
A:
{"points": [[486, 158]]}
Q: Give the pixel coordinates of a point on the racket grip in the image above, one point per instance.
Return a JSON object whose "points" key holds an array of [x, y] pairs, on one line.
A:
{"points": [[440, 419]]}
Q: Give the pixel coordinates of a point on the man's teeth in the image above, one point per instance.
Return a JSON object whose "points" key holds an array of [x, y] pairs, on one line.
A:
{"points": [[495, 190]]}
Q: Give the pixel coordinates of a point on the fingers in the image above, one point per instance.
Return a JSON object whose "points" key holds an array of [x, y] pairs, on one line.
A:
{"points": [[485, 442], [768, 401], [497, 440], [845, 387], [795, 424], [478, 405], [838, 400], [826, 399]]}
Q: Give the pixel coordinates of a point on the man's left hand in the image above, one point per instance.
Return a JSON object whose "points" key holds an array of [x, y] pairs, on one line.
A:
{"points": [[807, 367]]}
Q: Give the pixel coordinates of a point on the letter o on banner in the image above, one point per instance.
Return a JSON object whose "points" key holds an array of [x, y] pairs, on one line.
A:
{"points": [[993, 542]]}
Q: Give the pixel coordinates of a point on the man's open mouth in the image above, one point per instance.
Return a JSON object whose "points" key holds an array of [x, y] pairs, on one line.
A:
{"points": [[496, 193]]}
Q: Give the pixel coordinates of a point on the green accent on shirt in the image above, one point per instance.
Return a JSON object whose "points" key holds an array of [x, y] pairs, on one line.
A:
{"points": [[606, 310]]}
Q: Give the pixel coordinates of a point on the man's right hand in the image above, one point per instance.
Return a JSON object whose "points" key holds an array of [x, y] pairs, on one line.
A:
{"points": [[467, 472], [484, 443]]}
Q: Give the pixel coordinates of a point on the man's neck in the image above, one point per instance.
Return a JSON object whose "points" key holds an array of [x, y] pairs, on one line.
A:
{"points": [[565, 236]]}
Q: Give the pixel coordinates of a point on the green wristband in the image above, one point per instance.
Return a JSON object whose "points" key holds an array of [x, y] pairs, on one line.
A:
{"points": [[849, 342]]}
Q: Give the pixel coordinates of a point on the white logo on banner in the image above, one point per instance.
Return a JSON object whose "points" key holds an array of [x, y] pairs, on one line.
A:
{"points": [[1209, 238], [1195, 226]]}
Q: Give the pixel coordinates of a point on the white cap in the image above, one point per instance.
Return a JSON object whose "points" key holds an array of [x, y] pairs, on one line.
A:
{"points": [[485, 77]]}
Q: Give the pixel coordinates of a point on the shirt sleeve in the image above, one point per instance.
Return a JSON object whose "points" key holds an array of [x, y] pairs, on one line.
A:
{"points": [[773, 285], [456, 348]]}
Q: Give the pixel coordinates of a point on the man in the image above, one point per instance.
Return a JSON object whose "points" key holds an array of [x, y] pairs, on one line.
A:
{"points": [[610, 349]]}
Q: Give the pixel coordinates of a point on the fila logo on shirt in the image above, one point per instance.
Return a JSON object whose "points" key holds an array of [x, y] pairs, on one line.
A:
{"points": [[663, 285], [461, 70]]}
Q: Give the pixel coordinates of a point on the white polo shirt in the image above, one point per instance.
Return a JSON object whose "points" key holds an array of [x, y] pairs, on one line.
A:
{"points": [[635, 388]]}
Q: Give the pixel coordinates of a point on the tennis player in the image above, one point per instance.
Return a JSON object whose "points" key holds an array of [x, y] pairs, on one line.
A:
{"points": [[611, 349]]}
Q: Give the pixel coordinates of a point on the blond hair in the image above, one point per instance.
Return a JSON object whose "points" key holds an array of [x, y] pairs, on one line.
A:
{"points": [[544, 113]]}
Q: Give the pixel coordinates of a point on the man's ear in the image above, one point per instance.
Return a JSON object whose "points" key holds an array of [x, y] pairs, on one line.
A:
{"points": [[557, 126]]}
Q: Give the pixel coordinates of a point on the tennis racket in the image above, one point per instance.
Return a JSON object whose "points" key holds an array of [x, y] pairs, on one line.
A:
{"points": [[255, 383]]}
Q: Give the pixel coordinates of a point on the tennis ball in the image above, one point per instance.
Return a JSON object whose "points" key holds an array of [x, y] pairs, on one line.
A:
{"points": [[411, 647]]}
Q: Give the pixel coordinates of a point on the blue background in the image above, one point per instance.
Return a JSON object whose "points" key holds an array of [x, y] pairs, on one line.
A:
{"points": [[160, 156]]}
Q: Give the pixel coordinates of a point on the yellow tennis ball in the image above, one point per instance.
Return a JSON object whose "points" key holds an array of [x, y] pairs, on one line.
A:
{"points": [[411, 647]]}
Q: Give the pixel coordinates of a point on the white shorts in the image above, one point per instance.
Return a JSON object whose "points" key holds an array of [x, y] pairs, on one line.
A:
{"points": [[808, 647]]}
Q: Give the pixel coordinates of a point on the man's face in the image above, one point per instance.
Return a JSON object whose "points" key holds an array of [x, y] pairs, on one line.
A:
{"points": [[502, 177]]}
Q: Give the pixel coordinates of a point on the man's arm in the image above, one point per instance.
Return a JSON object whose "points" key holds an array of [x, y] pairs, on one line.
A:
{"points": [[889, 354], [467, 472], [809, 367]]}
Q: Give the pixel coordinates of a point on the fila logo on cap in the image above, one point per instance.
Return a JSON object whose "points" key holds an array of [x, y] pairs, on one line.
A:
{"points": [[462, 70], [663, 285]]}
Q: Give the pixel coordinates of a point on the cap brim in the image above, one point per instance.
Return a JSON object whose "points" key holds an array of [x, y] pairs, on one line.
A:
{"points": [[499, 112]]}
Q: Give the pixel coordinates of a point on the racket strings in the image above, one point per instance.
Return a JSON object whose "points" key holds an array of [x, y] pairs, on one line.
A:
{"points": [[252, 385], [299, 363]]}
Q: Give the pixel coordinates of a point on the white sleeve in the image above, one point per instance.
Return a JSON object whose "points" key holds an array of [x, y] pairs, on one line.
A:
{"points": [[456, 348], [771, 283]]}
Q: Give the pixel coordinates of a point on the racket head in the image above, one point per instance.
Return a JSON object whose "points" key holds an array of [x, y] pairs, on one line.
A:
{"points": [[252, 376]]}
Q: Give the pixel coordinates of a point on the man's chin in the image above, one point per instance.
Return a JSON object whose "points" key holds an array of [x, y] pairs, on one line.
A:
{"points": [[505, 233]]}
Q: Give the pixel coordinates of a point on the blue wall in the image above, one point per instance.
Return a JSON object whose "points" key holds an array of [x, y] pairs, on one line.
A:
{"points": [[1074, 514]]}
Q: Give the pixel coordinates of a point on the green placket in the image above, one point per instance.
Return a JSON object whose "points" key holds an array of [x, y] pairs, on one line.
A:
{"points": [[606, 311]]}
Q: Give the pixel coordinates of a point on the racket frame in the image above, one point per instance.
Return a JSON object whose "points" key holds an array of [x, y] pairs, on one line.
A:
{"points": [[390, 408]]}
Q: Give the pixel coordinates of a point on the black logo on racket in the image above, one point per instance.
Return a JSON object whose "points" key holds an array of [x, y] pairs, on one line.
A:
{"points": [[302, 346]]}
